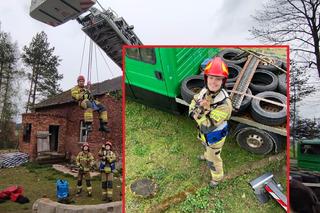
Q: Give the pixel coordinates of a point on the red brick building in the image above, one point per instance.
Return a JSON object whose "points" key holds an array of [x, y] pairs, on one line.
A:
{"points": [[56, 126]]}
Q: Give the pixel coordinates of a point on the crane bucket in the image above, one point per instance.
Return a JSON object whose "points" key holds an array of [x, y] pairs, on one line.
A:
{"points": [[57, 12]]}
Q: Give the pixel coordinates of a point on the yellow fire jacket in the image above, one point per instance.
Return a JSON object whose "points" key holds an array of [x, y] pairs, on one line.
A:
{"points": [[212, 118]]}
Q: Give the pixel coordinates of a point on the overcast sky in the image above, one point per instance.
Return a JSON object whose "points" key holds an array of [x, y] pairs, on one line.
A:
{"points": [[156, 22]]}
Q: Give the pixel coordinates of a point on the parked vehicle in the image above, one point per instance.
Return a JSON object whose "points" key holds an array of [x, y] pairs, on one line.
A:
{"points": [[167, 78]]}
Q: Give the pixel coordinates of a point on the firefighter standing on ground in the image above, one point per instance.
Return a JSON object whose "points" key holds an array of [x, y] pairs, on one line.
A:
{"points": [[211, 109], [107, 167], [85, 162], [86, 101]]}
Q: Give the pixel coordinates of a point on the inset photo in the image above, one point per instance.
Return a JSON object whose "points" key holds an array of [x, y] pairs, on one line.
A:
{"points": [[206, 128]]}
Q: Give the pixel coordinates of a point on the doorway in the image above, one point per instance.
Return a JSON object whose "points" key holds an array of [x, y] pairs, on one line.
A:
{"points": [[54, 137]]}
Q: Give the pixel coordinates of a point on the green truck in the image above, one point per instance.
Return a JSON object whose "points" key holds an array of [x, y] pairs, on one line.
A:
{"points": [[309, 154], [154, 76]]}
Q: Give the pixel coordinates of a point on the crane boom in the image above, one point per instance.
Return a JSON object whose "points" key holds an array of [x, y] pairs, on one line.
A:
{"points": [[105, 28]]}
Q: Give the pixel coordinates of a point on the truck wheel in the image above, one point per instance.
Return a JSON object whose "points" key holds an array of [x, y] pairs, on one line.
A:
{"points": [[263, 80], [282, 86], [228, 54], [254, 140], [266, 113], [234, 71], [191, 86], [245, 102]]}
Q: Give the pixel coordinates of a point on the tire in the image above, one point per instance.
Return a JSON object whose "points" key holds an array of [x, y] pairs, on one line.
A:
{"points": [[189, 85], [282, 85], [280, 142], [228, 54], [265, 116], [254, 140], [234, 71], [297, 177], [263, 80], [270, 67], [245, 102], [306, 178]]}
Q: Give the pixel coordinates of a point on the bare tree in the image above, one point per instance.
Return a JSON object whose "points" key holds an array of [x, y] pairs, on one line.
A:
{"points": [[293, 22]]}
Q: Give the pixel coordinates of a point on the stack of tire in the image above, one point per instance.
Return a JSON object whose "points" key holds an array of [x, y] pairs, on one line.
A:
{"points": [[269, 83]]}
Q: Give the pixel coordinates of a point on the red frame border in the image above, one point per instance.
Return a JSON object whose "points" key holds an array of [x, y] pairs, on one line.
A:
{"points": [[203, 46]]}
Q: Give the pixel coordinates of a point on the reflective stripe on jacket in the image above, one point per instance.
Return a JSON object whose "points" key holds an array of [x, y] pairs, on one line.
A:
{"points": [[213, 120], [78, 92]]}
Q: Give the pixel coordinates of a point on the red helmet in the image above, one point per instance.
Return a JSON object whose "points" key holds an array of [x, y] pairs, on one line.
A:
{"points": [[81, 77], [85, 145], [216, 67], [108, 143]]}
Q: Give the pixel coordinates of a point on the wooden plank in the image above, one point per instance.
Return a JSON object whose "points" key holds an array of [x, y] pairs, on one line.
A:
{"points": [[241, 74], [258, 98], [276, 129], [243, 80]]}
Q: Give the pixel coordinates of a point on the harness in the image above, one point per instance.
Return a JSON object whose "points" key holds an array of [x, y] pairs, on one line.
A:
{"points": [[106, 166], [214, 134]]}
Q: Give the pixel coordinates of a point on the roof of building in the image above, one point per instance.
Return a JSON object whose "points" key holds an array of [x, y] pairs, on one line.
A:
{"points": [[96, 89]]}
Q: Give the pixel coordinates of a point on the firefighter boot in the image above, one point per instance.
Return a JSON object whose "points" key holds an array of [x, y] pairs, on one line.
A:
{"points": [[213, 184], [79, 189], [104, 127], [89, 191], [104, 196]]}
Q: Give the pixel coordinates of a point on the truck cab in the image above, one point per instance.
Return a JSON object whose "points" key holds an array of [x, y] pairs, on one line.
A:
{"points": [[154, 75], [309, 154]]}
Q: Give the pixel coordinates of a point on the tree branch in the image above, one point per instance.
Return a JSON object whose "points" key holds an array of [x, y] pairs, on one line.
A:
{"points": [[303, 50]]}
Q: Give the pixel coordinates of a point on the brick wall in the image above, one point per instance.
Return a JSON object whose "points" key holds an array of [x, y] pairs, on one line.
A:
{"points": [[73, 114], [41, 122]]}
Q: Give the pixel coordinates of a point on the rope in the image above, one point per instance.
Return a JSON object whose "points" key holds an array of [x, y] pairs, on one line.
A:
{"points": [[106, 63], [95, 55], [90, 61], [83, 49]]}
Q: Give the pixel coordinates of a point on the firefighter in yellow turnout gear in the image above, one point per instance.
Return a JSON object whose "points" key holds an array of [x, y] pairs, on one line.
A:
{"points": [[211, 109], [87, 102], [107, 168], [85, 162]]}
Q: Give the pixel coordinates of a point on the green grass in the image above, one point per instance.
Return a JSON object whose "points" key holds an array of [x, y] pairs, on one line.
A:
{"points": [[39, 181], [233, 196], [164, 147]]}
